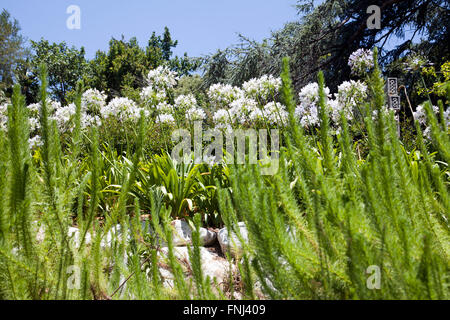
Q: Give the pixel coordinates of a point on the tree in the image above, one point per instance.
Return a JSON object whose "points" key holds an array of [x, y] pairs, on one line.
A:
{"points": [[122, 70], [12, 49], [326, 35], [65, 65]]}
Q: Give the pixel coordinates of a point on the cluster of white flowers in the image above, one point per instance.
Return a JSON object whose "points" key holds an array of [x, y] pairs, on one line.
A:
{"points": [[92, 104], [164, 107], [221, 96], [241, 109], [350, 94], [185, 102], [162, 78], [64, 115], [35, 108], [165, 119], [275, 113], [222, 118], [360, 61], [421, 116], [307, 111], [262, 88], [159, 81], [153, 97], [447, 117], [195, 114], [33, 119], [122, 109], [308, 115], [35, 142], [93, 101]]}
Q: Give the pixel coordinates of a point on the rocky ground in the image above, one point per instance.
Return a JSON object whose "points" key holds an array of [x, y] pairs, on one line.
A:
{"points": [[215, 244]]}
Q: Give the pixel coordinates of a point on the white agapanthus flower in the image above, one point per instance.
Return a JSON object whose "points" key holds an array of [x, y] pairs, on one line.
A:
{"points": [[122, 109], [447, 117], [308, 115], [185, 102], [350, 95], [164, 107], [35, 142], [309, 94], [263, 88], [66, 114], [307, 111], [93, 101], [165, 119], [63, 116], [275, 113], [162, 78], [195, 114], [420, 114], [222, 95], [34, 109], [221, 117], [152, 96], [241, 109], [361, 61]]}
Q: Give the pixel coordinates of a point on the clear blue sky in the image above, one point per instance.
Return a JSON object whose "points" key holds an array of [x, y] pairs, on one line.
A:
{"points": [[200, 26]]}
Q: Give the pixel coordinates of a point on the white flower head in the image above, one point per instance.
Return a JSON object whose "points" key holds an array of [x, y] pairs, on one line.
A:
{"points": [[162, 78], [241, 109], [93, 101], [195, 114], [123, 109], [263, 88], [165, 119], [222, 96], [361, 61], [185, 101]]}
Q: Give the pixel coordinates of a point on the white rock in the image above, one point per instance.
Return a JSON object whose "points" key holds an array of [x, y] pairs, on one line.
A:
{"points": [[115, 233], [75, 236], [207, 237], [212, 265], [232, 244], [182, 234]]}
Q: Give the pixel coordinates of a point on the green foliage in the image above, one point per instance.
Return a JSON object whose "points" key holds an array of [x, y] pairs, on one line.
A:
{"points": [[183, 185], [315, 232], [121, 71], [317, 228], [326, 34], [11, 49], [66, 66]]}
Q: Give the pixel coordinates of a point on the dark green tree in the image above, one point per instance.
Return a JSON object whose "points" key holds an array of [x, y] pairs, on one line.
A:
{"points": [[122, 70], [327, 34], [12, 49], [66, 66]]}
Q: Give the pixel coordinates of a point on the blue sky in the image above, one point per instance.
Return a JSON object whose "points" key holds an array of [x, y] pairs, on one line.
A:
{"points": [[200, 26]]}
